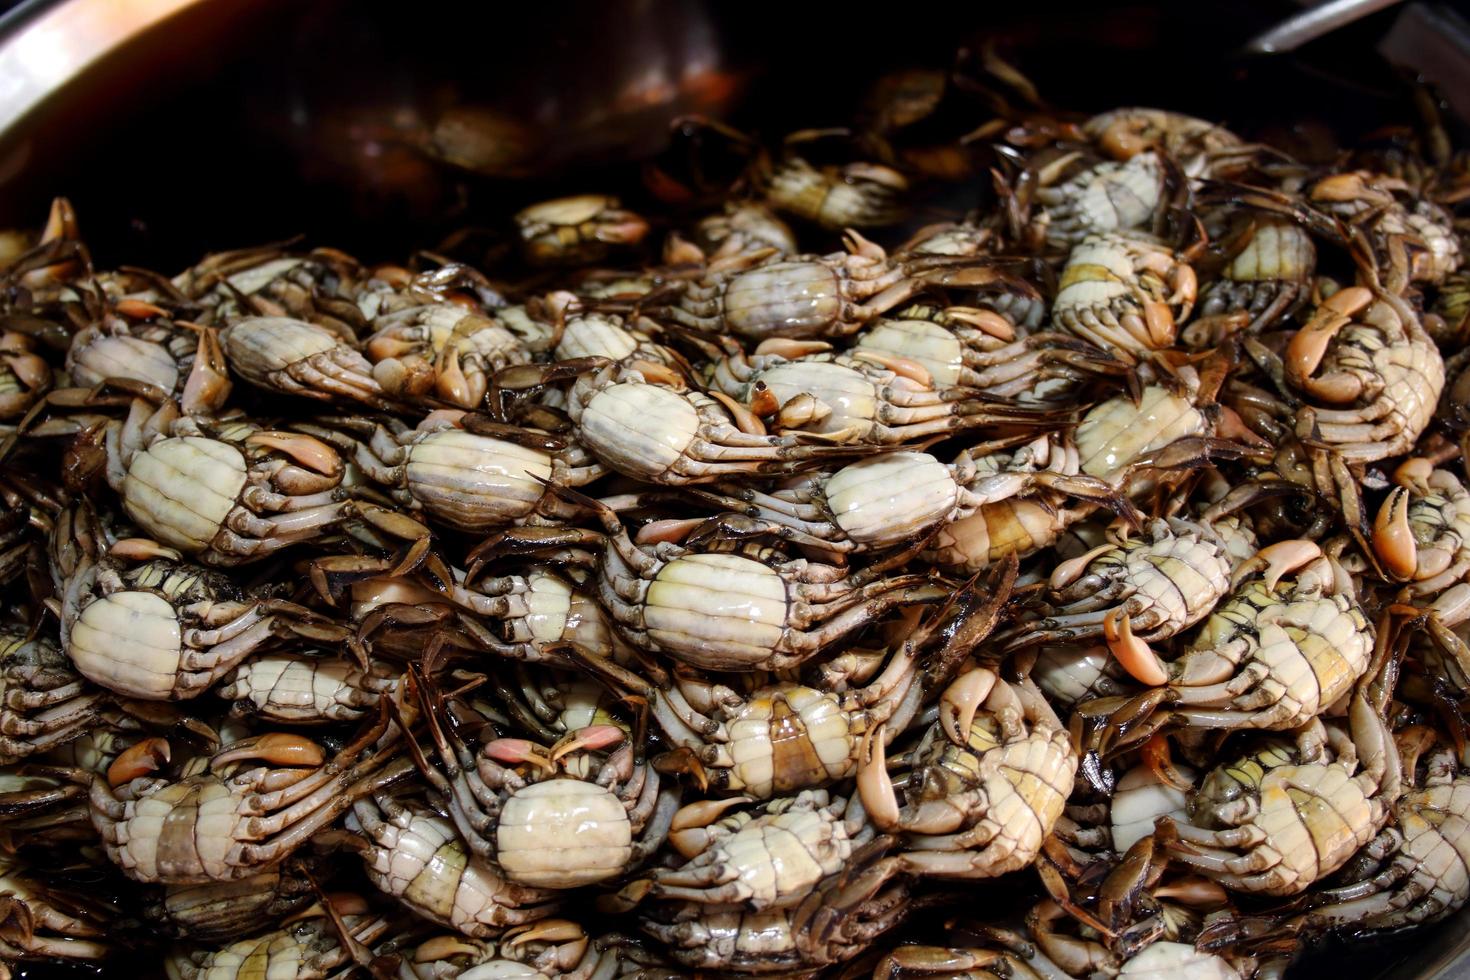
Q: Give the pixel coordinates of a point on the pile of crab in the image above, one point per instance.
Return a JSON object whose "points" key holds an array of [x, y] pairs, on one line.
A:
{"points": [[1076, 588]]}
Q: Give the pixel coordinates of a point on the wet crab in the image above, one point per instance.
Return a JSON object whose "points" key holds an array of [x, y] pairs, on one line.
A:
{"points": [[577, 230], [441, 348], [231, 821], [719, 610], [138, 620], [809, 297], [516, 803], [985, 785], [295, 357]]}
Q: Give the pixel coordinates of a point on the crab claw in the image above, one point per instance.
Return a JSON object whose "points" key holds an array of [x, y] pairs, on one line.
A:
{"points": [[687, 831], [960, 701], [1414, 473], [873, 784], [1309, 344], [141, 549], [1134, 654], [802, 409], [140, 759], [1281, 558], [1159, 320], [515, 751], [763, 401], [669, 529], [904, 367], [986, 321], [1069, 571], [442, 948], [554, 930], [591, 737], [790, 348], [208, 385], [277, 748], [1393, 538], [745, 420], [306, 450]]}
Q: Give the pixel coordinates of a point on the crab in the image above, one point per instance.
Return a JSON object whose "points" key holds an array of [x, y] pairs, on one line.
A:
{"points": [[861, 397], [138, 620], [720, 610], [808, 297], [231, 821], [582, 811], [986, 783], [441, 348], [466, 471]]}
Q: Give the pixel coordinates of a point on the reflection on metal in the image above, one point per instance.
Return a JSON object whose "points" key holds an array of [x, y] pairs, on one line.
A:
{"points": [[1311, 24], [60, 43]]}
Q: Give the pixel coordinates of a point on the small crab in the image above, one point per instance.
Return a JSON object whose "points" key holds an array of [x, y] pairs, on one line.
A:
{"points": [[443, 349], [719, 610], [577, 230], [576, 813], [1124, 293], [229, 822], [138, 620], [985, 786], [295, 357], [815, 296], [1422, 532], [466, 471], [863, 397]]}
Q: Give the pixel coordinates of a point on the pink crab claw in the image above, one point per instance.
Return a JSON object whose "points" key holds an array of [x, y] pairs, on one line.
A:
{"points": [[140, 759], [960, 701], [1195, 891], [141, 549], [442, 948], [986, 321], [1069, 571], [1134, 654], [306, 450], [687, 831], [902, 366], [1281, 558], [1393, 538], [552, 930], [873, 784], [277, 748], [1159, 320], [592, 737], [745, 420], [790, 348], [1414, 473], [1309, 344], [515, 751], [669, 529]]}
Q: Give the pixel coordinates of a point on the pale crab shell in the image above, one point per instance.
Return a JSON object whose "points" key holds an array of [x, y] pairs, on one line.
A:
{"points": [[429, 868], [129, 642], [922, 341], [1141, 797], [640, 430], [783, 299], [273, 343], [181, 489], [557, 612], [475, 482], [122, 356], [755, 754], [1176, 961], [595, 335], [779, 858], [293, 690], [852, 397], [713, 610], [563, 833], [1116, 432], [885, 500]]}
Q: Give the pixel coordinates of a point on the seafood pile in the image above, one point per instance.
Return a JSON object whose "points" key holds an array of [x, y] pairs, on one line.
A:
{"points": [[1078, 587]]}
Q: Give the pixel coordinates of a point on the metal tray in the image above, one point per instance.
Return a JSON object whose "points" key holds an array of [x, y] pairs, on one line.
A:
{"points": [[183, 126]]}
